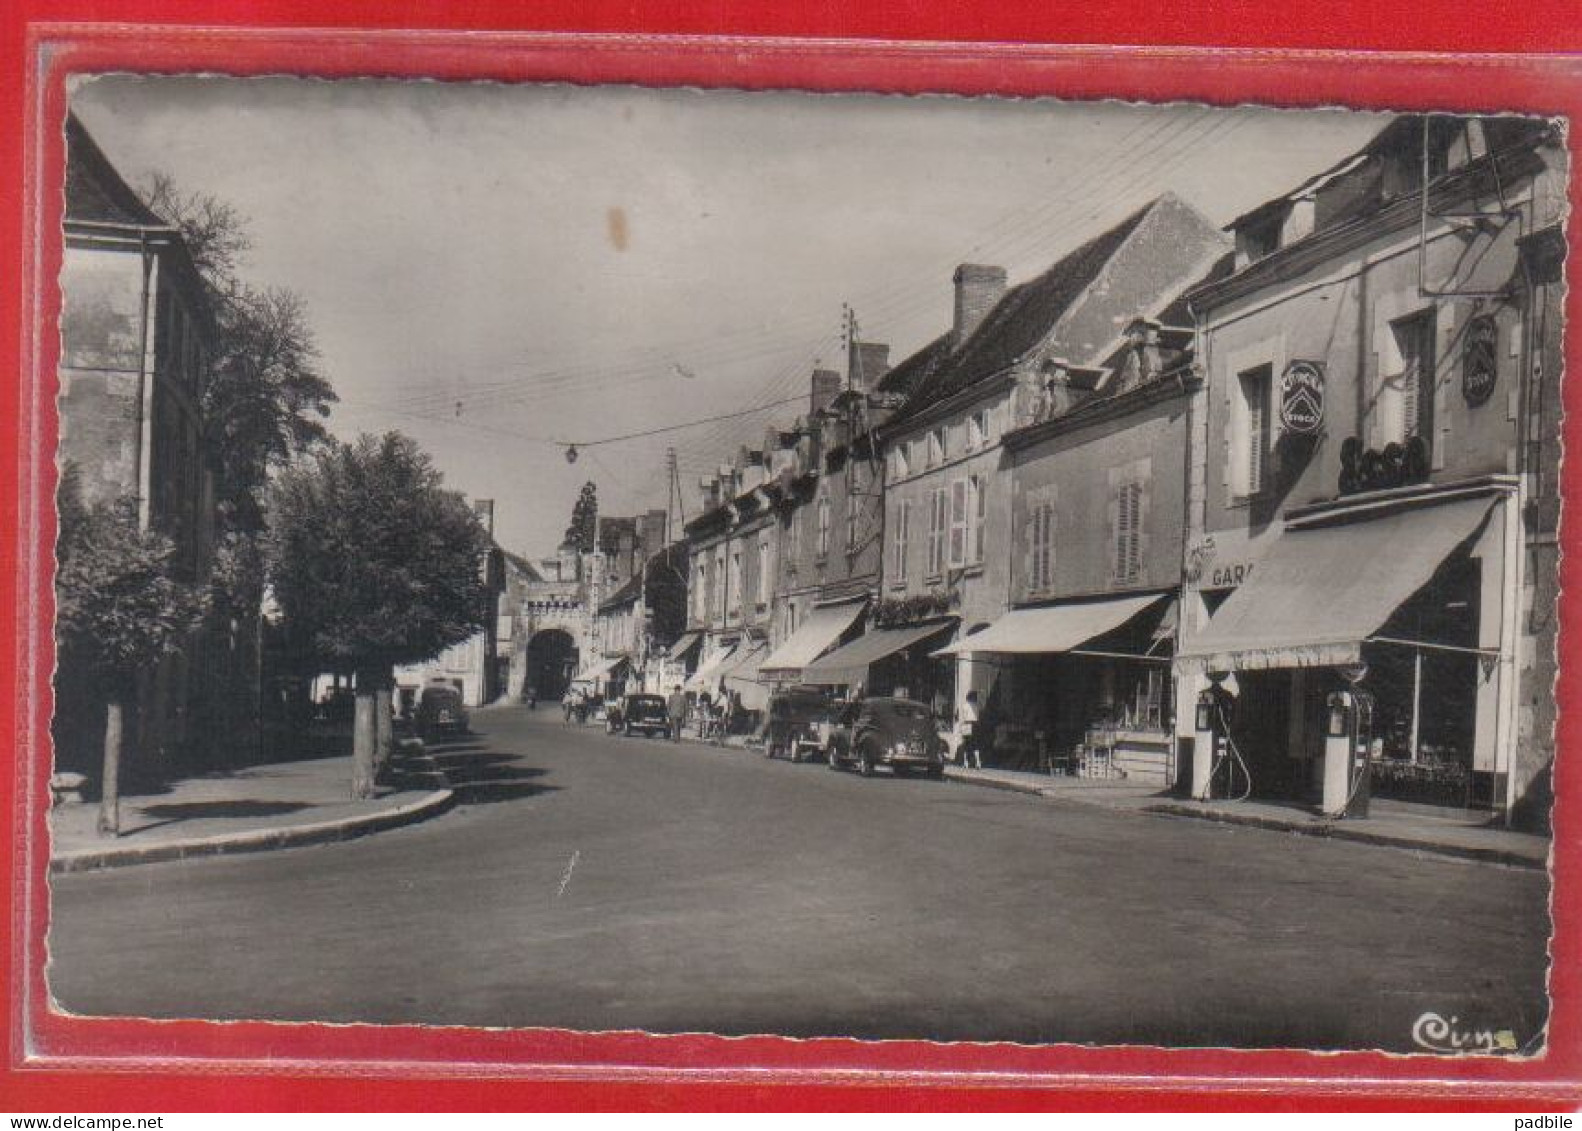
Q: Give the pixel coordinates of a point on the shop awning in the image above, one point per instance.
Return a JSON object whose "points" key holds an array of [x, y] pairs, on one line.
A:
{"points": [[849, 665], [598, 670], [741, 676], [822, 628], [684, 644], [1054, 628], [708, 673], [1321, 593]]}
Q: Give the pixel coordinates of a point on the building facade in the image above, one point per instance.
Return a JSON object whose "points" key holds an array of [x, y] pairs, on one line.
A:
{"points": [[1371, 504], [136, 336], [1011, 357]]}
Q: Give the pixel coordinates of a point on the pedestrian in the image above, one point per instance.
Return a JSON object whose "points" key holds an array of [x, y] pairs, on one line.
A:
{"points": [[676, 711], [969, 752]]}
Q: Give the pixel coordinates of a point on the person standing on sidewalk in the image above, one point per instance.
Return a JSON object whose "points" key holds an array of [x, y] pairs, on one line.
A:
{"points": [[967, 726], [676, 711]]}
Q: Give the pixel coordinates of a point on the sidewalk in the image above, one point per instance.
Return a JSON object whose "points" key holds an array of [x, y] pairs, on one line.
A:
{"points": [[1393, 824], [263, 807]]}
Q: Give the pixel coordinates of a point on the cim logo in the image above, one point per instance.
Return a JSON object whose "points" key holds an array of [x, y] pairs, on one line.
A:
{"points": [[1438, 1034], [1302, 398]]}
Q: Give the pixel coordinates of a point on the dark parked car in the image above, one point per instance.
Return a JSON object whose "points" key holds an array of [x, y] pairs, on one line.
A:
{"points": [[898, 733], [800, 722], [639, 714], [440, 711]]}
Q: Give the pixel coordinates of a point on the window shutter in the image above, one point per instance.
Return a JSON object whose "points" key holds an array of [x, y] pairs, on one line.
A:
{"points": [[1144, 499], [958, 523], [980, 508], [1030, 549], [1257, 433]]}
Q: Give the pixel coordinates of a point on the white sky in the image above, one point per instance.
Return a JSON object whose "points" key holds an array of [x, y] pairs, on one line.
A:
{"points": [[488, 267]]}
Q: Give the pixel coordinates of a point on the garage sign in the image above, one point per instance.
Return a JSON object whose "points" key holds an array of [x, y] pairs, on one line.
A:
{"points": [[1302, 398]]}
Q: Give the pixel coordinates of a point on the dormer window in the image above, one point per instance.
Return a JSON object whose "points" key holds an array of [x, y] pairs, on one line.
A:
{"points": [[978, 429], [937, 447], [1259, 238]]}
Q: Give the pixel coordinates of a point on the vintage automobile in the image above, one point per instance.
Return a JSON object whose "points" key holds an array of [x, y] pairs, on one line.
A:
{"points": [[639, 714], [898, 733], [440, 711], [799, 723]]}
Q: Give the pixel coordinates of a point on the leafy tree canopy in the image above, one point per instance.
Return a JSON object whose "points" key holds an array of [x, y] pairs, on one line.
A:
{"points": [[372, 561], [118, 607], [266, 399], [584, 520]]}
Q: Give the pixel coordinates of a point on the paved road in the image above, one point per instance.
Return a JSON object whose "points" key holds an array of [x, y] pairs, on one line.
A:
{"points": [[592, 882]]}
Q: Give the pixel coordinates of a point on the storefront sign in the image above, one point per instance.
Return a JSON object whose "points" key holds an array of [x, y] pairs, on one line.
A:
{"points": [[1302, 398]]}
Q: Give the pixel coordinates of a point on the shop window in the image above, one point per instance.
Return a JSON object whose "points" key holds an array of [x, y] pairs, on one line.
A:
{"points": [[937, 521], [902, 535], [959, 511], [1144, 708], [1252, 425]]}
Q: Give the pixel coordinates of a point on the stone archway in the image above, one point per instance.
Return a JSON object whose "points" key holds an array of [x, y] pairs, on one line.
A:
{"points": [[551, 662]]}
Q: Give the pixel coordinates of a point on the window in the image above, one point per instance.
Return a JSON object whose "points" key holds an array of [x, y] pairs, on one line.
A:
{"points": [[1252, 426], [721, 584], [978, 429], [736, 597], [822, 547], [765, 570], [1041, 545], [978, 488], [1408, 410], [936, 531], [1128, 531], [853, 509], [938, 448], [1144, 708], [959, 511], [793, 540], [901, 536]]}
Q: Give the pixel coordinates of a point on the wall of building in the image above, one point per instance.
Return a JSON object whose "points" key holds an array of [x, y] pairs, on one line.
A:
{"points": [[1078, 472]]}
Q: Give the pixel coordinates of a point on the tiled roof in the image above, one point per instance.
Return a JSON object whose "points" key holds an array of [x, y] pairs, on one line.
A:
{"points": [[95, 192], [1021, 319], [906, 376]]}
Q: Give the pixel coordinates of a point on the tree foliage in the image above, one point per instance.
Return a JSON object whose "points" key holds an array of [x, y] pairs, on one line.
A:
{"points": [[372, 561], [265, 400], [584, 520], [118, 606]]}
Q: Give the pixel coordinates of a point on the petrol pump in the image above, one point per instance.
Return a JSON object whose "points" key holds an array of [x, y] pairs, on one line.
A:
{"points": [[1348, 734], [1211, 747]]}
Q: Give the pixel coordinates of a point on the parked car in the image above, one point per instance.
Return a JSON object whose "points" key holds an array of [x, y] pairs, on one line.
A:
{"points": [[440, 711], [898, 733], [800, 722], [640, 714]]}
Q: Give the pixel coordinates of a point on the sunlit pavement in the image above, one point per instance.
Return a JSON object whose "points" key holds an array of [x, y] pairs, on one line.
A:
{"points": [[596, 882]]}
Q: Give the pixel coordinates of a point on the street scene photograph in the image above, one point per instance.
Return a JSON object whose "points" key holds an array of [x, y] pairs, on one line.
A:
{"points": [[960, 569]]}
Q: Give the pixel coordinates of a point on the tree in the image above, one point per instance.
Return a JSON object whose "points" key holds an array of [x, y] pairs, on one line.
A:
{"points": [[265, 400], [374, 564], [584, 520], [118, 611]]}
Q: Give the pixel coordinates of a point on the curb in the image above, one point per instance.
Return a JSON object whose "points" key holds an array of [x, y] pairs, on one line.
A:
{"points": [[1027, 788], [1336, 831], [262, 840]]}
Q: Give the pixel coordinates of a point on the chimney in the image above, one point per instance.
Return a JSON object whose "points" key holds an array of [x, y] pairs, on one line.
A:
{"points": [[653, 535], [484, 509], [866, 362], [827, 385], [978, 288]]}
